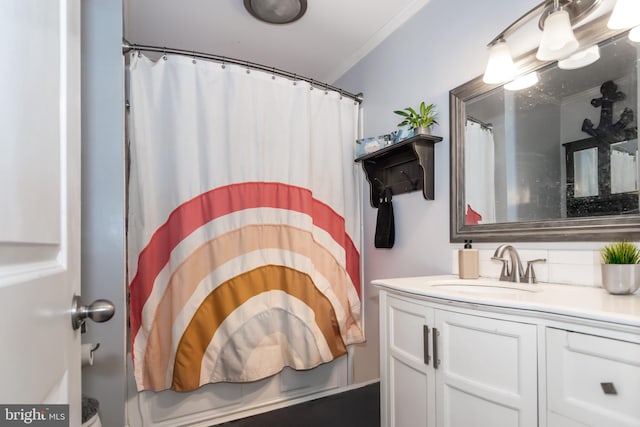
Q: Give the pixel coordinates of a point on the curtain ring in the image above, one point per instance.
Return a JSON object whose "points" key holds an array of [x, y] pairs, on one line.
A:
{"points": [[326, 88], [273, 75], [193, 61], [295, 79], [248, 68], [311, 85], [340, 93], [164, 53], [223, 63]]}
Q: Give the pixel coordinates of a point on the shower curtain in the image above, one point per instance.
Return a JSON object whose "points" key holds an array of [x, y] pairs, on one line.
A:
{"points": [[243, 223], [585, 173], [624, 171], [479, 174]]}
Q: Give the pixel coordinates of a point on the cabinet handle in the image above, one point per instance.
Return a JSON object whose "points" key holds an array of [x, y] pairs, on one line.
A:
{"points": [[436, 361], [609, 388], [425, 343]]}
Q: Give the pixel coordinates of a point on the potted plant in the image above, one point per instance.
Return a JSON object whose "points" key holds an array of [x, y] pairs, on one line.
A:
{"points": [[420, 121], [621, 268]]}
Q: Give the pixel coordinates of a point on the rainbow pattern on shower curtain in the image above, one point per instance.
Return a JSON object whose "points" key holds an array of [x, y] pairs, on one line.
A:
{"points": [[233, 276], [242, 287]]}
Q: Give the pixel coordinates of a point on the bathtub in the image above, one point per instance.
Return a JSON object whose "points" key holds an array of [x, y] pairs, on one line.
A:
{"points": [[217, 403]]}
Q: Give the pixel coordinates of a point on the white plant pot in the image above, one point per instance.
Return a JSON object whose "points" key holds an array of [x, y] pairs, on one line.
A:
{"points": [[421, 130], [621, 279]]}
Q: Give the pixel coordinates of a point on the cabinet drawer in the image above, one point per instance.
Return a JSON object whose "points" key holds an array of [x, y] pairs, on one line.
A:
{"points": [[592, 380]]}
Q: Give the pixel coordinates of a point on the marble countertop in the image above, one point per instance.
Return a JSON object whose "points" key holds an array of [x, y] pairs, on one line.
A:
{"points": [[576, 301]]}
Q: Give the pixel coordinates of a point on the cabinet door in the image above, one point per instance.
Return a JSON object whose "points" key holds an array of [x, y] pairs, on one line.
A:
{"points": [[488, 372], [407, 383], [592, 380]]}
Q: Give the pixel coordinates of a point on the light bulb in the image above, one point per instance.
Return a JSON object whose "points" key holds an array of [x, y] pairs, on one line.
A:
{"points": [[580, 59], [523, 82], [558, 40], [626, 14], [500, 66]]}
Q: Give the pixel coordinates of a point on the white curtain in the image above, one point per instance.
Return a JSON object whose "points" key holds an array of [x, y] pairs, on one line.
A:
{"points": [[624, 172], [585, 172], [244, 223], [479, 174]]}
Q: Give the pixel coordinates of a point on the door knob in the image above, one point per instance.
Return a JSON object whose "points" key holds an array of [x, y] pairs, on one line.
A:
{"points": [[99, 311]]}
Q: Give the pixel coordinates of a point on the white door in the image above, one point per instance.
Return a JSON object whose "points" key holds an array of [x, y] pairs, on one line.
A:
{"points": [[39, 202]]}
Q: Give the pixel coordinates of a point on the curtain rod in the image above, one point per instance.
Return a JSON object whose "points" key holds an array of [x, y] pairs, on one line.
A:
{"points": [[127, 47], [480, 122]]}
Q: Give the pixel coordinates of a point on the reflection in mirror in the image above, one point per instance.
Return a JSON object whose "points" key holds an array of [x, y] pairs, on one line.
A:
{"points": [[527, 180], [601, 176], [585, 172], [529, 163], [480, 197], [624, 166]]}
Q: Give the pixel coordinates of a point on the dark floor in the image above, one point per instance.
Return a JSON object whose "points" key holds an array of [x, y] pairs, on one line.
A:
{"points": [[354, 408]]}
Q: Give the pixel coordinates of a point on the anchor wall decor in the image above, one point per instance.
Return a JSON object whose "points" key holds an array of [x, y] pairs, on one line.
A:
{"points": [[606, 127]]}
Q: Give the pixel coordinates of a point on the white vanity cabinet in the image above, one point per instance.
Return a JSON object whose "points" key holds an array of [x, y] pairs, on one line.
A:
{"points": [[407, 376], [591, 380], [484, 353], [447, 368]]}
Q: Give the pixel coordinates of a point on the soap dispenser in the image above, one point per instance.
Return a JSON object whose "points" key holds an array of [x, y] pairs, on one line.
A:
{"points": [[468, 262]]}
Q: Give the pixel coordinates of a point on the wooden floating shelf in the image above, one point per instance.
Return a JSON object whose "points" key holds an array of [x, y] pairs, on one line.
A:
{"points": [[402, 167]]}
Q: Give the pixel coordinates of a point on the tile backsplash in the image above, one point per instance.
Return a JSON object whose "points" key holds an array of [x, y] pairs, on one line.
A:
{"points": [[571, 267]]}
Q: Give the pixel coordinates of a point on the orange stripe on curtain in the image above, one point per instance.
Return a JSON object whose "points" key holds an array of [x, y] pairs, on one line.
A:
{"points": [[208, 258], [232, 294]]}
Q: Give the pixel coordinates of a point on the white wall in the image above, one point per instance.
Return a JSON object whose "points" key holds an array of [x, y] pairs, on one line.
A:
{"points": [[103, 201], [440, 48]]}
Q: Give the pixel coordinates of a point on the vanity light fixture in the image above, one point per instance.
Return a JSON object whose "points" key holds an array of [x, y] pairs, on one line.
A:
{"points": [[558, 41], [626, 14], [276, 11], [580, 59], [500, 67]]}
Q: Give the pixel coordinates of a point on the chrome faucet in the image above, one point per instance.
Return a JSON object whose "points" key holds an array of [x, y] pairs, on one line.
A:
{"points": [[511, 272], [512, 267]]}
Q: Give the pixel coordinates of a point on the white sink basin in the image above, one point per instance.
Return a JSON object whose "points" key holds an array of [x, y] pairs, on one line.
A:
{"points": [[486, 288]]}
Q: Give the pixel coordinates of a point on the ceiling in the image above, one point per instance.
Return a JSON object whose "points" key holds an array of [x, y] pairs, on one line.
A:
{"points": [[330, 38]]}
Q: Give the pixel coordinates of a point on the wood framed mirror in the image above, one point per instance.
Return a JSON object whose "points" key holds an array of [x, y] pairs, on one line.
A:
{"points": [[510, 180]]}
